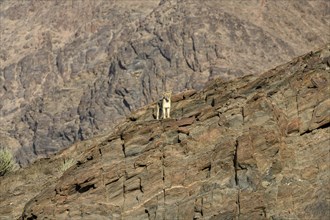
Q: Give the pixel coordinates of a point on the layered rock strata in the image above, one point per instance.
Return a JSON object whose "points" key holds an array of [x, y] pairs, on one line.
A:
{"points": [[72, 69], [253, 148]]}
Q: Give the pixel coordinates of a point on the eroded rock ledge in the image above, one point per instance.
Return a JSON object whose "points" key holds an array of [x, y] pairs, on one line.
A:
{"points": [[254, 148], [70, 70]]}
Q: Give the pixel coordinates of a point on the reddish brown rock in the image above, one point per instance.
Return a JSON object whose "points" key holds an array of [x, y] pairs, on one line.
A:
{"points": [[261, 153], [321, 115], [71, 70], [293, 126]]}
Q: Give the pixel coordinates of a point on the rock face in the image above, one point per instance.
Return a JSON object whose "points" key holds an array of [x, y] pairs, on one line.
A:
{"points": [[252, 148], [72, 69]]}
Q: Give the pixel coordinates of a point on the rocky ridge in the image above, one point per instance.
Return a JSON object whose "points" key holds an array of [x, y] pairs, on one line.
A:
{"points": [[252, 148], [72, 69]]}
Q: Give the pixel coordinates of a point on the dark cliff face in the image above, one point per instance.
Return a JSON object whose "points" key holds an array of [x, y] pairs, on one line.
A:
{"points": [[72, 69], [251, 148]]}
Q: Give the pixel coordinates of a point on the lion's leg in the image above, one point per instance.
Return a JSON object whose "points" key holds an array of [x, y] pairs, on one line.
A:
{"points": [[157, 111]]}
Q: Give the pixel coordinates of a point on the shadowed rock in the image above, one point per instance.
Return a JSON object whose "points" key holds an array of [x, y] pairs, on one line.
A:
{"points": [[71, 70], [259, 152]]}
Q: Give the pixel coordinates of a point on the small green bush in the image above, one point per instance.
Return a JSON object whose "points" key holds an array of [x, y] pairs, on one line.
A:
{"points": [[67, 164], [7, 163]]}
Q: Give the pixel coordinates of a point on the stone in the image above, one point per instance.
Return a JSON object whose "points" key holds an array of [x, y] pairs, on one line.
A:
{"points": [[256, 147], [258, 166], [86, 75], [293, 126], [321, 115]]}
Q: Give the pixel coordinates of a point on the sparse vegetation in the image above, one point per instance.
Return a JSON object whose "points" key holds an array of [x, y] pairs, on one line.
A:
{"points": [[67, 164], [7, 163]]}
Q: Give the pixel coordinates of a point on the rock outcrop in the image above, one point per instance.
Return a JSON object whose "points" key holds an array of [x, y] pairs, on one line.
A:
{"points": [[73, 69], [252, 148]]}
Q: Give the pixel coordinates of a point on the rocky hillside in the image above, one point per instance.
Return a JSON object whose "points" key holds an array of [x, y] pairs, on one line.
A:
{"points": [[72, 69], [251, 148]]}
